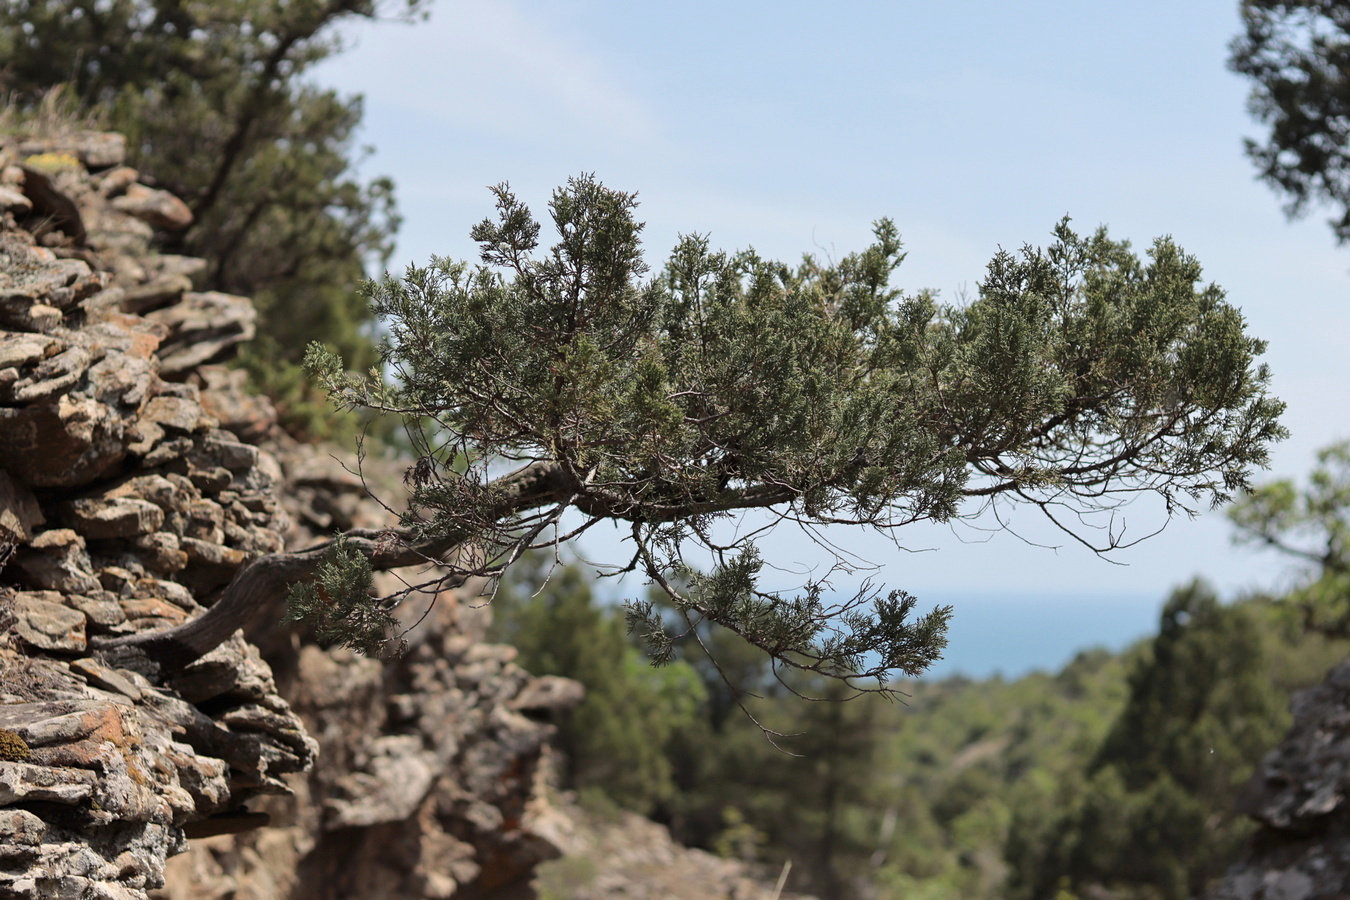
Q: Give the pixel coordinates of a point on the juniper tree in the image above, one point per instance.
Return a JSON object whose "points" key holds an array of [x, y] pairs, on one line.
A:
{"points": [[548, 390]]}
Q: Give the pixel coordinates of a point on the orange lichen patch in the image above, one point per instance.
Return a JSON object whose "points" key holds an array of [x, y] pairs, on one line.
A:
{"points": [[153, 608], [142, 337], [108, 724], [135, 772], [95, 730]]}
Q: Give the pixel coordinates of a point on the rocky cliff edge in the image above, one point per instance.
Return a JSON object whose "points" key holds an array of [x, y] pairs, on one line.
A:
{"points": [[136, 476]]}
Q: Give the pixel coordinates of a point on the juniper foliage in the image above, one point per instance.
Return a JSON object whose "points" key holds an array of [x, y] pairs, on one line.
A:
{"points": [[338, 604], [1082, 376]]}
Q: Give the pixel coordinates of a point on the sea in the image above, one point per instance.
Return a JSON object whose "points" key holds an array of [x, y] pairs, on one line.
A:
{"points": [[1011, 634]]}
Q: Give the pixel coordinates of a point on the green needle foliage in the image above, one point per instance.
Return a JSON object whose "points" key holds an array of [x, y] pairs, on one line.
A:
{"points": [[818, 394], [338, 603], [1298, 57], [1311, 525]]}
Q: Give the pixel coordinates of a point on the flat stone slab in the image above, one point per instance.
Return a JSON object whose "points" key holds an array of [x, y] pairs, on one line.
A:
{"points": [[48, 626]]}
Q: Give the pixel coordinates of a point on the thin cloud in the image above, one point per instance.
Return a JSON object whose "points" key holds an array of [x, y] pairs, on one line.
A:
{"points": [[495, 70]]}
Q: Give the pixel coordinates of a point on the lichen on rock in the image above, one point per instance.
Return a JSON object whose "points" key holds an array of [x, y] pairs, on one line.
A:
{"points": [[137, 475], [12, 747], [100, 488]]}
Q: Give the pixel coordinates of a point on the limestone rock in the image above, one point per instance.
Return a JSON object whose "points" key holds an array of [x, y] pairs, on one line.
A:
{"points": [[20, 350], [174, 413], [12, 201], [396, 778], [154, 294], [113, 517], [548, 693], [203, 327], [116, 181], [137, 478], [20, 829], [54, 375], [95, 149], [56, 209], [168, 265], [1299, 795], [48, 626], [427, 759], [63, 443], [119, 767], [33, 277], [57, 560], [220, 450], [159, 209], [630, 858], [70, 402], [20, 514], [161, 552], [26, 783], [225, 396]]}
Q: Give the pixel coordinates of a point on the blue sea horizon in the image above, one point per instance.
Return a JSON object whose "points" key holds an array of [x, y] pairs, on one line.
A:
{"points": [[1013, 633]]}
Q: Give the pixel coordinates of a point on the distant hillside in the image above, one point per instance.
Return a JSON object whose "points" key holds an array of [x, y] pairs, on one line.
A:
{"points": [[970, 788]]}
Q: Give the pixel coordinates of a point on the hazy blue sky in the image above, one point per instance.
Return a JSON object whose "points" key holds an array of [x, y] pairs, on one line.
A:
{"points": [[792, 126]]}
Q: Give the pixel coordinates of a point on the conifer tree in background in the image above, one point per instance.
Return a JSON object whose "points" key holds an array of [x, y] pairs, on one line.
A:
{"points": [[1298, 57], [615, 741], [1310, 525], [1157, 820], [214, 102], [672, 743], [835, 781]]}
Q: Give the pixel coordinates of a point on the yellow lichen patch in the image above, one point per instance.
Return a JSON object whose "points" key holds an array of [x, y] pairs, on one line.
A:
{"points": [[51, 163], [135, 770], [12, 747]]}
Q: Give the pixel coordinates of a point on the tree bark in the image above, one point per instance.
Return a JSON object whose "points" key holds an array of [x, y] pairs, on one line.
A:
{"points": [[264, 580]]}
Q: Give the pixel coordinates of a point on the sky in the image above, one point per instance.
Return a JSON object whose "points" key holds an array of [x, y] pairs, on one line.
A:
{"points": [[791, 127]]}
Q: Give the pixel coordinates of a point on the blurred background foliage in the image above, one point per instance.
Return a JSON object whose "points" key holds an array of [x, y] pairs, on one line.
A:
{"points": [[1113, 777]]}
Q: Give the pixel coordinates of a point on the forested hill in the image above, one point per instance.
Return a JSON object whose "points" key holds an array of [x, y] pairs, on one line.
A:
{"points": [[1116, 773]]}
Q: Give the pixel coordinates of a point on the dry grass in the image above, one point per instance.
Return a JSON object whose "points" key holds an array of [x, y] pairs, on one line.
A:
{"points": [[57, 114]]}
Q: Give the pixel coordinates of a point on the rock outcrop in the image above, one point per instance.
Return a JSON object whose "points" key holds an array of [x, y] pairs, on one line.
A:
{"points": [[429, 782], [1300, 795], [622, 856], [136, 476]]}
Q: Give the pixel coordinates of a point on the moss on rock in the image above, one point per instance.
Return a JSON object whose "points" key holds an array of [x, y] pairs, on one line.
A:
{"points": [[12, 747]]}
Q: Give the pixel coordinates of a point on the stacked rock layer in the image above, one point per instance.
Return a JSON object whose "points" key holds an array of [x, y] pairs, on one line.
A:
{"points": [[136, 476], [1300, 795]]}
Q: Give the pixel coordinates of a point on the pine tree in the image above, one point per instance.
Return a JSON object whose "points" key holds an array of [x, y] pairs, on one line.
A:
{"points": [[1156, 821], [1310, 524], [615, 741]]}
